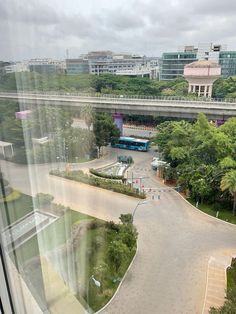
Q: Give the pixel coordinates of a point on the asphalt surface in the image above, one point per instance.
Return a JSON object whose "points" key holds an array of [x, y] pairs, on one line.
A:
{"points": [[168, 275]]}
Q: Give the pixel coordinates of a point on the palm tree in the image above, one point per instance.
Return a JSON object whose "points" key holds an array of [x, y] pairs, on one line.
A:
{"points": [[87, 113], [228, 182]]}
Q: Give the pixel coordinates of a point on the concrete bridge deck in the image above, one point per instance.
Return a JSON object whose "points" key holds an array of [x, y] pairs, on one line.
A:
{"points": [[181, 108]]}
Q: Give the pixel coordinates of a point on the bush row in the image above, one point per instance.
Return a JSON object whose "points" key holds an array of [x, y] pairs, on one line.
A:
{"points": [[105, 175], [79, 176]]}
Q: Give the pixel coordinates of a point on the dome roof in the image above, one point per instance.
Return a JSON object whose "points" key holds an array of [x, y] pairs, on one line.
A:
{"points": [[203, 64]]}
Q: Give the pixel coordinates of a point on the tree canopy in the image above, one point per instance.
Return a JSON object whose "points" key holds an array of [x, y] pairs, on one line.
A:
{"points": [[199, 154], [109, 84]]}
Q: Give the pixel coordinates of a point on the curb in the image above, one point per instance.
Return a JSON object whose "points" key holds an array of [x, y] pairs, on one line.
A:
{"points": [[95, 187], [118, 288], [217, 219], [224, 267], [204, 304], [139, 127]]}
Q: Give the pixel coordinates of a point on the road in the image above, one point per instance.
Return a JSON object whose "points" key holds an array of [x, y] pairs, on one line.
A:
{"points": [[168, 275], [127, 131]]}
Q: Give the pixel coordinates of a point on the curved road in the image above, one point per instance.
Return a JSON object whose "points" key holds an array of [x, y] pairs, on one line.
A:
{"points": [[168, 275]]}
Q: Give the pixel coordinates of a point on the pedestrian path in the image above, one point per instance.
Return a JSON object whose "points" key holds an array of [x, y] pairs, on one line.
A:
{"points": [[59, 297], [216, 281]]}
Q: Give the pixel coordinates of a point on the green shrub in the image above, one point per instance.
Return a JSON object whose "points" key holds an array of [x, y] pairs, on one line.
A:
{"points": [[105, 175], [126, 218], [95, 224], [118, 187], [112, 226], [217, 207], [43, 200]]}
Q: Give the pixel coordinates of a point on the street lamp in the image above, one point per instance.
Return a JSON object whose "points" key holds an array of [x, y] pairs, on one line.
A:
{"points": [[97, 284], [139, 203], [58, 158]]}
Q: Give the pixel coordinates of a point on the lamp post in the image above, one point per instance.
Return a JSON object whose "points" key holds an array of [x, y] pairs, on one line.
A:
{"points": [[58, 158], [139, 203], [97, 284]]}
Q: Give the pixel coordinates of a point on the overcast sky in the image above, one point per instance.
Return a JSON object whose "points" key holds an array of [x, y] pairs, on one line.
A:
{"points": [[46, 28]]}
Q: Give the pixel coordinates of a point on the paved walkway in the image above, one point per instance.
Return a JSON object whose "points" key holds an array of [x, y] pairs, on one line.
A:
{"points": [[216, 281], [60, 299]]}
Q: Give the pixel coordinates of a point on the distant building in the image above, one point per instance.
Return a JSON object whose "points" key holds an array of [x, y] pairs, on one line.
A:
{"points": [[102, 62], [3, 64], [140, 71], [227, 60], [17, 67], [172, 63], [200, 75], [77, 66], [46, 66]]}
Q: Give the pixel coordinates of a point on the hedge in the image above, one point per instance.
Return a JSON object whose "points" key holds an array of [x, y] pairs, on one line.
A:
{"points": [[105, 175], [118, 187]]}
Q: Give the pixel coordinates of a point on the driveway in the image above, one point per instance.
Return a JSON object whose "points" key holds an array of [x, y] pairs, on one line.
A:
{"points": [[168, 275]]}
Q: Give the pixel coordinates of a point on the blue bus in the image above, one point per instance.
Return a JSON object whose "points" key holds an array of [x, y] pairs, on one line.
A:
{"points": [[131, 143]]}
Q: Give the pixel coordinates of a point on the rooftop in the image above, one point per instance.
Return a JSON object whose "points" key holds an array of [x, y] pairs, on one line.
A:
{"points": [[203, 64]]}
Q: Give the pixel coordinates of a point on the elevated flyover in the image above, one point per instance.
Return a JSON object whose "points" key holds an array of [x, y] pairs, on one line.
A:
{"points": [[159, 106]]}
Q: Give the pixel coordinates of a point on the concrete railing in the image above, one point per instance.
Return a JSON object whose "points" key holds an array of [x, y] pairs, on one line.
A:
{"points": [[123, 97], [170, 107]]}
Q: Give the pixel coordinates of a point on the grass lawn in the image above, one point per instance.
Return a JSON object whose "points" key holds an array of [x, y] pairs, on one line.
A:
{"points": [[95, 244], [224, 214], [16, 209], [51, 237], [231, 277], [88, 257]]}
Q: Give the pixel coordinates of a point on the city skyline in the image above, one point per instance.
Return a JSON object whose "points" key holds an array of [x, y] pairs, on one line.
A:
{"points": [[48, 29]]}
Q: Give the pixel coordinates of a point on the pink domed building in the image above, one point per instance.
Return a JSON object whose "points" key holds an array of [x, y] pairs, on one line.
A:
{"points": [[201, 76]]}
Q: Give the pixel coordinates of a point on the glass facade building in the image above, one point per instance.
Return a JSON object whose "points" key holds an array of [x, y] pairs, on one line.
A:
{"points": [[172, 64], [77, 66], [227, 60]]}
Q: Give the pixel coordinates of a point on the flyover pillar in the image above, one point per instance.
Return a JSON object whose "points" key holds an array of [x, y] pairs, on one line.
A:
{"points": [[118, 120]]}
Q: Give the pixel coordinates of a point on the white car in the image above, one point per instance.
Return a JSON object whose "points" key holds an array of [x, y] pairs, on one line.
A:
{"points": [[156, 162]]}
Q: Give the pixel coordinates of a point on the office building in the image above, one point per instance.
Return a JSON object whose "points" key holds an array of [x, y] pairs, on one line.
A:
{"points": [[77, 66], [46, 66], [16, 67], [227, 60], [172, 63], [102, 62]]}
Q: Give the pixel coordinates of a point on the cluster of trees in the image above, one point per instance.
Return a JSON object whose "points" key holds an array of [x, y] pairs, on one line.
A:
{"points": [[29, 81], [109, 84], [66, 143], [120, 249], [201, 158]]}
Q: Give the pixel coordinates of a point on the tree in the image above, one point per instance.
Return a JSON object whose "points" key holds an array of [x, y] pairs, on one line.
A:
{"points": [[228, 182], [47, 120], [12, 130], [128, 235], [126, 218], [87, 113], [104, 130], [118, 253], [43, 200]]}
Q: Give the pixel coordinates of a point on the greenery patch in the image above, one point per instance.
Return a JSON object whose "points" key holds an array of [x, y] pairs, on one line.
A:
{"points": [[79, 176]]}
